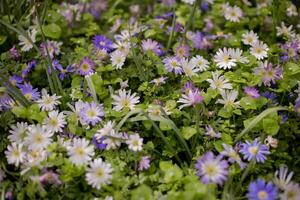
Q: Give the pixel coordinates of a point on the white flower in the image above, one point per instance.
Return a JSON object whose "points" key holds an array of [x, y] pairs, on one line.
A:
{"points": [[249, 38], [229, 98], [113, 141], [259, 50], [291, 192], [122, 46], [237, 55], [233, 14], [107, 129], [134, 142], [15, 154], [35, 157], [55, 121], [200, 62], [125, 99], [219, 82], [188, 1], [47, 102], [117, 59], [285, 31], [223, 59], [188, 69], [39, 137], [282, 178], [191, 99], [18, 132], [292, 10], [99, 173], [80, 151], [25, 43], [156, 112]]}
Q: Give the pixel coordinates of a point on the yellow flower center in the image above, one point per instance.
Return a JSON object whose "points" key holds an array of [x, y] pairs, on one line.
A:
{"points": [[253, 150], [99, 173], [80, 151], [210, 169], [262, 195], [91, 113], [125, 102], [38, 138]]}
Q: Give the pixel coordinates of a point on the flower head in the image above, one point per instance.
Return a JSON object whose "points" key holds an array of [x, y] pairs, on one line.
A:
{"points": [[29, 92], [210, 132], [233, 14], [267, 73], [291, 192], [125, 99], [255, 150], [117, 59], [232, 155], [219, 82], [38, 137], [25, 42], [18, 132], [144, 163], [250, 38], [80, 151], [172, 64], [86, 66], [199, 62], [135, 142], [47, 102], [260, 190], [259, 50], [252, 92], [151, 45], [15, 154], [224, 60], [53, 48], [191, 99], [91, 113], [228, 99], [282, 177], [55, 121], [101, 42]]}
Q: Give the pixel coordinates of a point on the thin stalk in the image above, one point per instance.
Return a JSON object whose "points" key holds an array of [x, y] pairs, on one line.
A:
{"points": [[173, 30], [91, 87], [190, 19]]}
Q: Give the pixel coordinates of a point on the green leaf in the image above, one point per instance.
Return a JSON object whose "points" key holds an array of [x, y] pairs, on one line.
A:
{"points": [[143, 192], [226, 138], [188, 132], [270, 126], [172, 172], [52, 31]]}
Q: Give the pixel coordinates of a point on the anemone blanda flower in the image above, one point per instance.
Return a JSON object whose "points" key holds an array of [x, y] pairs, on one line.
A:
{"points": [[55, 121], [18, 132], [28, 67], [172, 64], [252, 92], [259, 50], [267, 73], [101, 42], [117, 59], [144, 163], [291, 192], [86, 67], [219, 82], [29, 92], [188, 69], [159, 81], [99, 173], [233, 13], [210, 132], [80, 151], [38, 137], [16, 80], [188, 1], [91, 113], [124, 99], [283, 30], [254, 150], [151, 45], [232, 155], [47, 102], [199, 62], [15, 154], [212, 169], [53, 48], [26, 44], [236, 54], [228, 98], [260, 190], [250, 38], [182, 51], [191, 99], [282, 177], [135, 142], [223, 59]]}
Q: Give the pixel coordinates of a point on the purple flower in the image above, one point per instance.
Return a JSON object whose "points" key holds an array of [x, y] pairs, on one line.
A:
{"points": [[267, 73], [5, 100], [91, 113], [98, 142], [191, 99], [101, 42], [49, 177], [178, 28], [16, 80], [86, 67], [204, 6], [271, 96], [188, 86], [232, 155], [290, 51], [260, 190], [144, 163], [297, 106], [31, 65], [52, 46], [200, 41], [252, 92], [96, 7], [172, 64], [71, 68], [29, 92], [209, 131], [255, 150], [168, 3], [152, 45], [14, 53], [212, 169], [182, 51]]}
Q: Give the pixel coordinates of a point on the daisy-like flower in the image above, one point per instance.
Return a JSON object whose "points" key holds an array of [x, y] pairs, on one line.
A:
{"points": [[144, 163], [151, 45], [86, 67], [159, 81], [113, 140], [18, 132], [47, 102], [35, 157], [107, 129], [260, 190], [255, 150], [223, 59], [91, 113], [210, 132], [191, 99], [291, 192], [291, 10], [237, 55], [80, 151], [156, 112], [285, 31], [52, 46], [39, 137], [15, 154], [233, 14], [125, 99], [199, 62], [212, 169], [122, 46], [25, 43], [117, 59], [172, 64], [135, 142], [259, 50], [229, 97], [99, 173], [188, 69], [101, 42], [55, 121], [267, 73], [182, 51], [29, 92], [250, 38], [232, 155], [16, 80], [282, 177], [252, 92]]}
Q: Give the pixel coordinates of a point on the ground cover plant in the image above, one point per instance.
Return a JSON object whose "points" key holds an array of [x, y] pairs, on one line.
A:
{"points": [[152, 99]]}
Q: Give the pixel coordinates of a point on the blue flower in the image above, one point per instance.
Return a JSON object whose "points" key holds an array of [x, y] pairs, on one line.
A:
{"points": [[29, 92], [254, 150], [260, 190], [101, 42]]}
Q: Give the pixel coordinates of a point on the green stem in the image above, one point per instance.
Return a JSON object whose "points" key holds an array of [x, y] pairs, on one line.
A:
{"points": [[173, 30], [187, 27]]}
